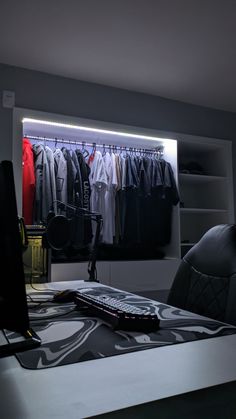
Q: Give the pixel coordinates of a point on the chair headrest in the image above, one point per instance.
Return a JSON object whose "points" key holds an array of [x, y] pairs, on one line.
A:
{"points": [[215, 253]]}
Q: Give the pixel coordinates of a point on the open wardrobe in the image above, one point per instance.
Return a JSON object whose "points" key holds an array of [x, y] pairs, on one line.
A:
{"points": [[133, 189], [147, 186]]}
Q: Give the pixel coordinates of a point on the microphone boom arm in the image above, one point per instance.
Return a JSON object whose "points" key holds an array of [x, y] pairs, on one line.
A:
{"points": [[93, 216]]}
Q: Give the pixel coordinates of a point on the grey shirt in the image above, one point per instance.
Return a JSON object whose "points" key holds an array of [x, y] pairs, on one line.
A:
{"points": [[60, 175], [52, 179]]}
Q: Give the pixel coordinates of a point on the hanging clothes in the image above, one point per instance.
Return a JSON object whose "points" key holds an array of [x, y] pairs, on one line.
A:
{"points": [[60, 175], [109, 198], [52, 179], [145, 201], [120, 201], [85, 193], [71, 176], [117, 236], [134, 192], [43, 200], [28, 182], [85, 190], [163, 196], [137, 208], [131, 218], [78, 187], [98, 183]]}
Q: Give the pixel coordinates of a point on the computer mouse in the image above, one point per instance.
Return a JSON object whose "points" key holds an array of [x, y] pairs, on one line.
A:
{"points": [[64, 296]]}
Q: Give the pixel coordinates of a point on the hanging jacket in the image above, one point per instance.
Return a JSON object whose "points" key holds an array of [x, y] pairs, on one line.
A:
{"points": [[43, 191], [98, 182], [110, 194], [164, 196], [52, 179], [85, 172], [78, 187], [85, 196], [131, 230], [60, 166], [71, 175]]}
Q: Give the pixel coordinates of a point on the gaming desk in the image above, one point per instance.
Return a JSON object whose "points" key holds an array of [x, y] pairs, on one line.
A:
{"points": [[194, 376]]}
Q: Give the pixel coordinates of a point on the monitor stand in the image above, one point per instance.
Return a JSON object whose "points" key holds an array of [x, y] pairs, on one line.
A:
{"points": [[25, 341]]}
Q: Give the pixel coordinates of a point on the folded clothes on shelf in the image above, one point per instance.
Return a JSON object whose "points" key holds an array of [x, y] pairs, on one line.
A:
{"points": [[192, 168]]}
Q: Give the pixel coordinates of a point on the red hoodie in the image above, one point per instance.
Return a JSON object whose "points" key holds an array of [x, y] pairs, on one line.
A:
{"points": [[28, 181]]}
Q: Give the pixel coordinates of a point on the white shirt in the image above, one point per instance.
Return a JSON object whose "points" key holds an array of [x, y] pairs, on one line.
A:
{"points": [[109, 218]]}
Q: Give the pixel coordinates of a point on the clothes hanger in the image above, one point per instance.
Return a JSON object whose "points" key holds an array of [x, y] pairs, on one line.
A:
{"points": [[104, 150], [85, 152]]}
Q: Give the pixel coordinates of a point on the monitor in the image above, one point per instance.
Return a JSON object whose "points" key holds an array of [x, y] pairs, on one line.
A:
{"points": [[13, 300]]}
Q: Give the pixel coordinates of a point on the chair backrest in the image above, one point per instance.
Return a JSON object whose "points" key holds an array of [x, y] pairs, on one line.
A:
{"points": [[205, 282]]}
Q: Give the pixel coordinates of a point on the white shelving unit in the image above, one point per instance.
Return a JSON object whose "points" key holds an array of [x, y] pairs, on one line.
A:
{"points": [[206, 197]]}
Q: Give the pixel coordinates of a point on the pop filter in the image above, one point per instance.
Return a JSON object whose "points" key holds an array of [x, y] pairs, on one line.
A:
{"points": [[58, 232]]}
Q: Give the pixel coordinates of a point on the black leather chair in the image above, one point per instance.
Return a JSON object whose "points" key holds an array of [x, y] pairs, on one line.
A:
{"points": [[205, 282]]}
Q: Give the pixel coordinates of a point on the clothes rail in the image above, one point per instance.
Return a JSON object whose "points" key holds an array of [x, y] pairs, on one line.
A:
{"points": [[158, 149]]}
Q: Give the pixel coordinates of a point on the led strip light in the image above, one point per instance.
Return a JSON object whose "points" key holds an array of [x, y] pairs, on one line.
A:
{"points": [[96, 130]]}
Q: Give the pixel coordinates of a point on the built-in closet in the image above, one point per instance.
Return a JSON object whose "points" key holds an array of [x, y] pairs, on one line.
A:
{"points": [[202, 171], [134, 190], [157, 229]]}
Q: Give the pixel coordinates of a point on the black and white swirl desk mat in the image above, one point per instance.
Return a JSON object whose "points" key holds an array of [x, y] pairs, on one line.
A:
{"points": [[69, 336]]}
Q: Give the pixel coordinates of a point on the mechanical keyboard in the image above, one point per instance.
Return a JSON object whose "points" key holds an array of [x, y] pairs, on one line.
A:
{"points": [[120, 315]]}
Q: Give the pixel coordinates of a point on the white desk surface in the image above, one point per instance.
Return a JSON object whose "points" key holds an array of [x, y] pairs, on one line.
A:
{"points": [[104, 385]]}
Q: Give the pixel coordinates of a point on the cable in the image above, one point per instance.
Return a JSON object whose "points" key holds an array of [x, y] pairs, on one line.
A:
{"points": [[39, 302], [41, 290]]}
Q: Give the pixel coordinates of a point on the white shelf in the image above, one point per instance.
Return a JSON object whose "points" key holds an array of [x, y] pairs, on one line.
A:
{"points": [[187, 177], [207, 197], [201, 210]]}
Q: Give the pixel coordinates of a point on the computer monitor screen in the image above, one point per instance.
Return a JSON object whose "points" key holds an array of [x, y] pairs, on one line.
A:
{"points": [[13, 301]]}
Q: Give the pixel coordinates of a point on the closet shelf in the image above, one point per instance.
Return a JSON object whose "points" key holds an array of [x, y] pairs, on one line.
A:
{"points": [[186, 177], [188, 244], [201, 210]]}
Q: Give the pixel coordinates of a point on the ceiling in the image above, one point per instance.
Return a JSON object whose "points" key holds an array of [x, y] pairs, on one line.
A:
{"points": [[178, 49]]}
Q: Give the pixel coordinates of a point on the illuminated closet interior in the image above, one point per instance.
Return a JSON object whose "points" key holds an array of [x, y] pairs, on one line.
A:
{"points": [[198, 208]]}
